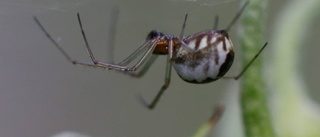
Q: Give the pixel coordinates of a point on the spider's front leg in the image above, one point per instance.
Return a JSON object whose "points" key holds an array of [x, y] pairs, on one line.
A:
{"points": [[148, 46]]}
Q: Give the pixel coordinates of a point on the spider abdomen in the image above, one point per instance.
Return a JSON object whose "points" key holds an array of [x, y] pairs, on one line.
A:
{"points": [[205, 57]]}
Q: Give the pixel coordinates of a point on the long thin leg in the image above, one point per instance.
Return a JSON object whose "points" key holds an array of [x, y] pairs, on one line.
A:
{"points": [[183, 27], [86, 41], [53, 41], [216, 22], [164, 86], [248, 65], [144, 69], [171, 53], [149, 45], [60, 48], [144, 57], [134, 55], [237, 16], [135, 67], [111, 34], [166, 80]]}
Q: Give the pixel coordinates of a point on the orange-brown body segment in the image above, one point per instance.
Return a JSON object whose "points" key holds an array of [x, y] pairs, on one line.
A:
{"points": [[163, 45]]}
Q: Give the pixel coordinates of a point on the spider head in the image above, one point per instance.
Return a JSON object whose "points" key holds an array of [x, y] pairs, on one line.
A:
{"points": [[154, 34]]}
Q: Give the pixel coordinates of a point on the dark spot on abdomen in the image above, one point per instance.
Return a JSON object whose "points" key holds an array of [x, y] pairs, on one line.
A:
{"points": [[226, 65]]}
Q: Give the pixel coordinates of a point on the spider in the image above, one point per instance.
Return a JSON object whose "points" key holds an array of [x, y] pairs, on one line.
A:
{"points": [[200, 58]]}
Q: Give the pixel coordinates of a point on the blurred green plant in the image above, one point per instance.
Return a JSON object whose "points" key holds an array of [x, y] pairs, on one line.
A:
{"points": [[255, 111], [294, 114]]}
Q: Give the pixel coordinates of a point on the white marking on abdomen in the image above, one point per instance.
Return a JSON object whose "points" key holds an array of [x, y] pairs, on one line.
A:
{"points": [[203, 43], [192, 44]]}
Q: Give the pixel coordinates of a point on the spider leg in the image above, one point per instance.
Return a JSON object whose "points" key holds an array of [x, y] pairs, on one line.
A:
{"points": [[86, 41], [145, 68], [248, 65], [166, 80], [112, 33], [237, 16], [171, 52], [183, 26], [216, 22], [164, 86], [148, 45], [134, 55], [64, 53], [121, 67], [125, 61], [53, 41]]}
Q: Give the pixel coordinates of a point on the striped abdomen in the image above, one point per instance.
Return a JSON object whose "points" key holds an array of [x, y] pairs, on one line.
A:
{"points": [[205, 57]]}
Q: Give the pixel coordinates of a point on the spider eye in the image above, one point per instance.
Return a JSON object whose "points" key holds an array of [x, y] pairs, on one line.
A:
{"points": [[153, 34]]}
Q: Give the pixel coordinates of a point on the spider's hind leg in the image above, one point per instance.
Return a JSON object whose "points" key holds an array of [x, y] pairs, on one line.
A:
{"points": [[248, 65]]}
